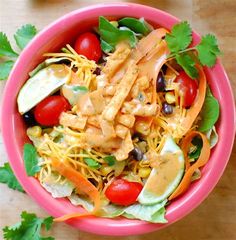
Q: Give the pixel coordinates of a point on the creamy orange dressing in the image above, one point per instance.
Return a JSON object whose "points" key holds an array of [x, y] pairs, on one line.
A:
{"points": [[167, 168], [58, 70]]}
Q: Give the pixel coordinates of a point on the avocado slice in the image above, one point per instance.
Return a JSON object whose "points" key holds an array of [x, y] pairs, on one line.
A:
{"points": [[41, 85]]}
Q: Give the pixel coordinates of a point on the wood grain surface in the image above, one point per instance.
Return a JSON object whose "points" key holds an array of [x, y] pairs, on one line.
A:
{"points": [[215, 218]]}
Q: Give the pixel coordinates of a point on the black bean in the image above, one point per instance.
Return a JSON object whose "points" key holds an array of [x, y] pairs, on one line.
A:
{"points": [[137, 135], [29, 118], [163, 69], [167, 109], [160, 83], [97, 71], [137, 154]]}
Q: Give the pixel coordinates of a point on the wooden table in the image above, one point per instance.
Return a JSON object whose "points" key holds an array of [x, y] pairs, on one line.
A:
{"points": [[216, 217]]}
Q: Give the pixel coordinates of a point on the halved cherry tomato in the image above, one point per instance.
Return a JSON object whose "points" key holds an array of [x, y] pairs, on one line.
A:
{"points": [[123, 192], [48, 111], [188, 88], [88, 44]]}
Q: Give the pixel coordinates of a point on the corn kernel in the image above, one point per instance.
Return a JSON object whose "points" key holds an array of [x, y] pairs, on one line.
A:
{"points": [[170, 97], [114, 23], [34, 131], [47, 130], [105, 170], [144, 172]]}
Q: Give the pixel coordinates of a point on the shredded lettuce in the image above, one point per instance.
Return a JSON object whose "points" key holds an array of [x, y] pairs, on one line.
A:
{"points": [[151, 213], [58, 189], [79, 201], [212, 136]]}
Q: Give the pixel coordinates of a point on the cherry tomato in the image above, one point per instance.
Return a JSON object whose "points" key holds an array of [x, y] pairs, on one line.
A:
{"points": [[123, 192], [188, 88], [88, 44], [48, 111]]}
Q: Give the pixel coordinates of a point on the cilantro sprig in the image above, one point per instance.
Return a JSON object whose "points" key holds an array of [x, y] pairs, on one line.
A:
{"points": [[178, 41], [22, 37], [7, 176], [29, 228]]}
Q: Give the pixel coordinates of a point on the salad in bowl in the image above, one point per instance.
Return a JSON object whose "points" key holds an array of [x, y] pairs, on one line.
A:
{"points": [[119, 121], [113, 119]]}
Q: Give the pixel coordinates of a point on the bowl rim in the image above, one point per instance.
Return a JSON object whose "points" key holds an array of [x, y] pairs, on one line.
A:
{"points": [[101, 225]]}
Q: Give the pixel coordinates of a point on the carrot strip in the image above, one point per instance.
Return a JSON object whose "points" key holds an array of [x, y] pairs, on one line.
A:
{"points": [[193, 112], [147, 44], [189, 170], [81, 184]]}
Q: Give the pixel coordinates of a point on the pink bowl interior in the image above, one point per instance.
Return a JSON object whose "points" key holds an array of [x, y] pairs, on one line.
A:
{"points": [[52, 39]]}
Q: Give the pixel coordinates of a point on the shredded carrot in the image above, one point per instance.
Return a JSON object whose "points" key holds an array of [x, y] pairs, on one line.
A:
{"points": [[82, 185], [193, 112], [189, 170]]}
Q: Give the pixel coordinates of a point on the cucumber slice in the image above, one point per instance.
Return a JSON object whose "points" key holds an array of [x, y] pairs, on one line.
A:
{"points": [[164, 179], [41, 85]]}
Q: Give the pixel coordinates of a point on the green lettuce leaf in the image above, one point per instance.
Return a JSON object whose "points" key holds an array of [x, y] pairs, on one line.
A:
{"points": [[150, 213], [58, 189], [210, 112], [212, 136]]}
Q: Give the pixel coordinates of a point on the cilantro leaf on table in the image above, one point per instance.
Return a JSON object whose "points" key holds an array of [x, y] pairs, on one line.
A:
{"points": [[208, 50], [180, 37], [30, 159], [188, 64], [5, 47], [7, 176], [29, 228], [24, 35], [5, 69]]}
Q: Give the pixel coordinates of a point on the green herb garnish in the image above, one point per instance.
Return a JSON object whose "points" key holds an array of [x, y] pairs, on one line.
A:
{"points": [[92, 163], [29, 228], [80, 88], [30, 159], [178, 41], [110, 160], [208, 50], [7, 176]]}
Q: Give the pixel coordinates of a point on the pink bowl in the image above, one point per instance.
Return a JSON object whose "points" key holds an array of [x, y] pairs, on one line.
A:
{"points": [[53, 38]]}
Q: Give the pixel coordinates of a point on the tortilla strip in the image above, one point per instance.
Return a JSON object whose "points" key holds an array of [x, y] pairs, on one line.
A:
{"points": [[114, 62], [97, 100], [127, 120], [122, 91], [73, 121], [121, 131], [126, 147], [99, 140], [107, 128]]}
